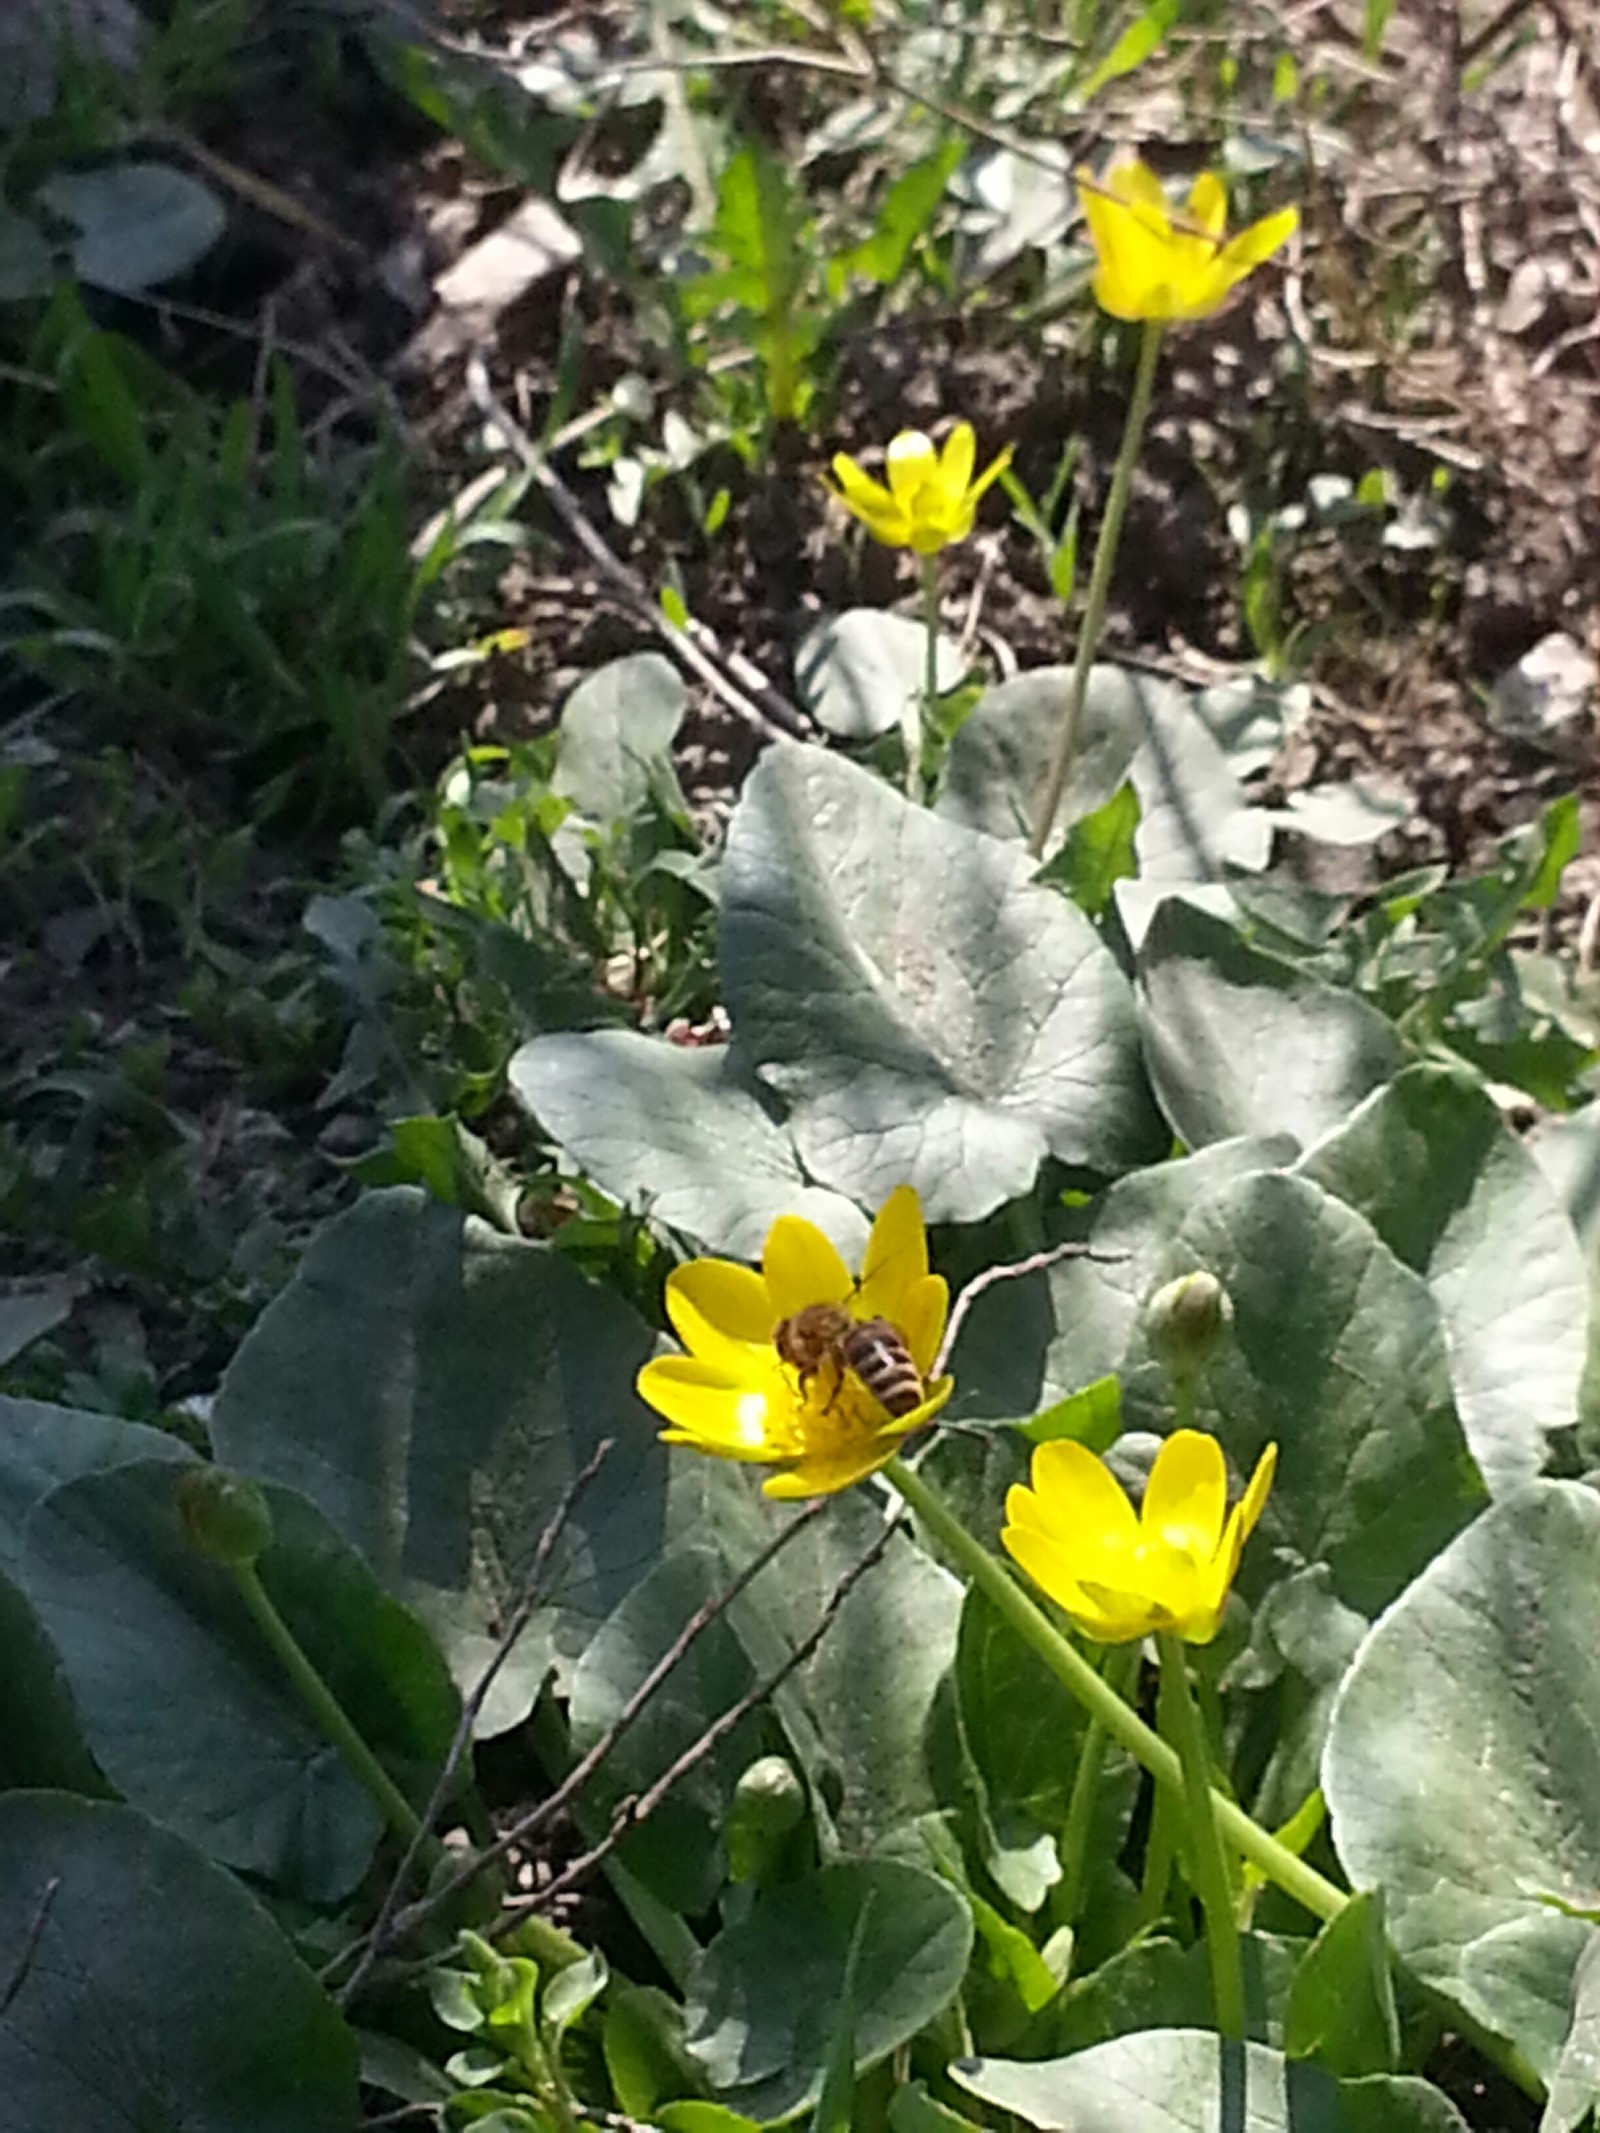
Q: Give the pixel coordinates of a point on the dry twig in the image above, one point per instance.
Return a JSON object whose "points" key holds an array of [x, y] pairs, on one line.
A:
{"points": [[516, 1623]]}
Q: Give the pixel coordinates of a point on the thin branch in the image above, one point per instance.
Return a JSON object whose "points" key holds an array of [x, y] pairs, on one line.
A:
{"points": [[1033, 1264], [516, 1623], [528, 1826], [756, 701], [632, 1812]]}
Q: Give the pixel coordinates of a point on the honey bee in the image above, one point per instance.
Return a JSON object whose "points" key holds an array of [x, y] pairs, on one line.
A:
{"points": [[873, 1348]]}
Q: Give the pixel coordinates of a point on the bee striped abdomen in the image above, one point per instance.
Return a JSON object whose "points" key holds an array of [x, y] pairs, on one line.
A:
{"points": [[876, 1351]]}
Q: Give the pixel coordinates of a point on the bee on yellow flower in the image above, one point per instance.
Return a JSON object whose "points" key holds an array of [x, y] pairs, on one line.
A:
{"points": [[800, 1366]]}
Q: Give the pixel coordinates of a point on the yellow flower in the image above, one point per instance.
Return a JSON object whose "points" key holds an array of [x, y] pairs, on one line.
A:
{"points": [[733, 1395], [1151, 264], [1121, 1576], [931, 498]]}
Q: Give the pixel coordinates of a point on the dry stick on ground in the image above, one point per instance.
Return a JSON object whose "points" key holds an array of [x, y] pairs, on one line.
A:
{"points": [[639, 1807], [749, 694], [528, 1826], [516, 1623]]}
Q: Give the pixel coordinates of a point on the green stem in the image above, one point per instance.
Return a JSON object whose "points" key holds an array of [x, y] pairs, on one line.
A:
{"points": [[1125, 1727], [1181, 1722], [1120, 1669], [329, 1713], [1094, 612], [919, 718], [1160, 1848]]}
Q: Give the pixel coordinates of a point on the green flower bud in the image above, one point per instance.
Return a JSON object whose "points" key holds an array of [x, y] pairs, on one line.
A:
{"points": [[769, 1800], [225, 1518], [1185, 1321]]}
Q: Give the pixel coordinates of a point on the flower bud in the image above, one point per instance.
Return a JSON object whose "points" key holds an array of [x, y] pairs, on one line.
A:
{"points": [[225, 1518], [1185, 1321], [769, 1799]]}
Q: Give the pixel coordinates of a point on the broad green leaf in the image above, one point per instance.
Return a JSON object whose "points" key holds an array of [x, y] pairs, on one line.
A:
{"points": [[642, 2041], [27, 264], [856, 672], [28, 1311], [1341, 2004], [860, 1712], [1194, 821], [615, 739], [1459, 1771], [765, 1997], [138, 223], [1575, 2084], [42, 1445], [1445, 1182], [1023, 1732], [187, 1711], [1031, 1343], [1192, 2081], [932, 1016], [676, 1129], [435, 1388], [41, 1742], [678, 1853], [1336, 1354], [157, 1992], [1242, 1042], [1156, 1984]]}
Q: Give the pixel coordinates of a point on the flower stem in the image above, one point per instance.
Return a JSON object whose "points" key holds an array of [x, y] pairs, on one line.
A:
{"points": [[1181, 1722], [1094, 611], [327, 1710], [919, 717], [1319, 1895], [1118, 1674]]}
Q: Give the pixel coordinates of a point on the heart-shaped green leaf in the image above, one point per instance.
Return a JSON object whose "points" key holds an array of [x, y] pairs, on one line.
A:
{"points": [[190, 1714], [677, 1129], [1445, 1182], [931, 1014], [1193, 2081], [144, 1987], [138, 223], [1460, 1766], [1243, 1042], [856, 672], [616, 734], [765, 1998], [435, 1388]]}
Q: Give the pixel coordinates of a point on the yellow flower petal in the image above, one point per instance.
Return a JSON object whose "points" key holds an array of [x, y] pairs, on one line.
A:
{"points": [[1260, 1484], [1186, 1497], [729, 1417], [910, 464], [721, 1312], [1075, 1490], [896, 1257], [956, 463], [923, 1314], [1136, 185], [991, 473], [870, 502], [1208, 204], [1246, 251], [801, 1267]]}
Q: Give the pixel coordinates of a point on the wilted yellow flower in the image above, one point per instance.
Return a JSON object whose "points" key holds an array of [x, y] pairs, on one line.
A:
{"points": [[1120, 1575], [931, 498], [1151, 264], [735, 1396]]}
